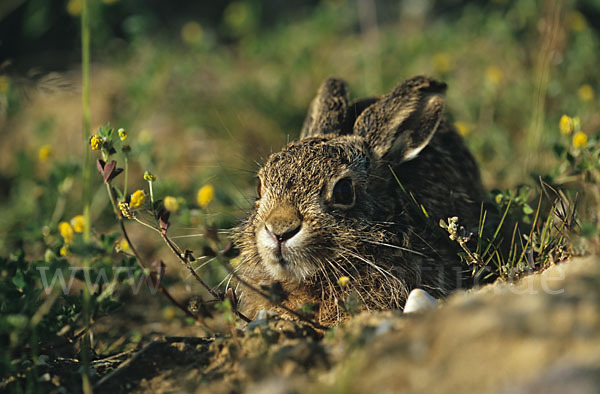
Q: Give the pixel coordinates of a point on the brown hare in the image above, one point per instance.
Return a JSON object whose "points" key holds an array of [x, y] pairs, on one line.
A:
{"points": [[355, 197]]}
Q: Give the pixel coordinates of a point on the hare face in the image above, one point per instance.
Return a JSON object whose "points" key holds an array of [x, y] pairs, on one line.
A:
{"points": [[299, 210]]}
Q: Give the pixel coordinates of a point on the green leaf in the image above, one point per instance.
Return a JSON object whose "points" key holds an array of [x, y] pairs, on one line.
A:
{"points": [[588, 229], [19, 280], [559, 150], [108, 240], [527, 210]]}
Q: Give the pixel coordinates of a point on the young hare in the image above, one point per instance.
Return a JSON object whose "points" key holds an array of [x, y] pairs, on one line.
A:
{"points": [[355, 197]]}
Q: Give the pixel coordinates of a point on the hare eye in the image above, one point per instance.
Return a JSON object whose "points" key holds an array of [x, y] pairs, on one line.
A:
{"points": [[258, 187], [343, 192]]}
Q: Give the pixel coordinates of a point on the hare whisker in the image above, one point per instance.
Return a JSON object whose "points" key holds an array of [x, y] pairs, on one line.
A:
{"points": [[204, 263], [397, 247], [374, 265]]}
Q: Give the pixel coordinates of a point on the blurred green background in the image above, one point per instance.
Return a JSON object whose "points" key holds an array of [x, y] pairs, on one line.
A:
{"points": [[206, 90]]}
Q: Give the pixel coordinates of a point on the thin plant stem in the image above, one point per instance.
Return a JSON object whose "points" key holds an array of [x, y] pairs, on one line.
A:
{"points": [[85, 100], [138, 257], [126, 175], [151, 194]]}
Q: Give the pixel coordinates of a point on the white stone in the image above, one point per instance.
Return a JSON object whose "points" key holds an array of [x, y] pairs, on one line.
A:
{"points": [[420, 301]]}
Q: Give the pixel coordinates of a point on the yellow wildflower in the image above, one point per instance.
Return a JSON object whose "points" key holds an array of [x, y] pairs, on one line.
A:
{"points": [[169, 312], [123, 246], [205, 195], [442, 62], [77, 223], [74, 7], [4, 84], [66, 232], [192, 32], [576, 21], [463, 128], [494, 75], [149, 176], [566, 125], [585, 93], [95, 142], [235, 261], [343, 281], [64, 251], [237, 15], [145, 136], [44, 153], [171, 204], [122, 134], [125, 211], [137, 199], [580, 140]]}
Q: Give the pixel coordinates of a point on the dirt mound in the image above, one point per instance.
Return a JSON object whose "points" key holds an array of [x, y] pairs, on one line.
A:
{"points": [[541, 334]]}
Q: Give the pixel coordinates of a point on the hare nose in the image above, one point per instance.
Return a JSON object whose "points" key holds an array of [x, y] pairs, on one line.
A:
{"points": [[281, 228], [282, 235]]}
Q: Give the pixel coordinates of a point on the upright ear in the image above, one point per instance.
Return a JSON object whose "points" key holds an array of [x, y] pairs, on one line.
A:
{"points": [[328, 111], [402, 122]]}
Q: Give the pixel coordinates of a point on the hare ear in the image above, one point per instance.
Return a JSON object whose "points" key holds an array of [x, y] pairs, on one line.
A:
{"points": [[328, 111], [403, 121]]}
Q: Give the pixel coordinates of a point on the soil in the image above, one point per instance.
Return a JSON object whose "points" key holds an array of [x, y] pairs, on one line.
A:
{"points": [[541, 334]]}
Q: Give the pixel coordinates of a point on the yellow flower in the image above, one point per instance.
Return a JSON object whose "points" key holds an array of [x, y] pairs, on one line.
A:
{"points": [[66, 232], [585, 93], [237, 15], [494, 75], [149, 176], [171, 204], [463, 128], [77, 223], [95, 142], [343, 281], [137, 199], [4, 84], [125, 211], [442, 62], [576, 21], [205, 195], [123, 246], [64, 251], [169, 312], [74, 7], [192, 32], [235, 261], [122, 134], [44, 153], [566, 125], [580, 140], [145, 136]]}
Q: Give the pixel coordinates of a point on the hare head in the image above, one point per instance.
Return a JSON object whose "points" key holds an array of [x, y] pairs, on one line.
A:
{"points": [[340, 202]]}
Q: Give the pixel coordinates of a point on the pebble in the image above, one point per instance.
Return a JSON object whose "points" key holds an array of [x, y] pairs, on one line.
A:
{"points": [[420, 301]]}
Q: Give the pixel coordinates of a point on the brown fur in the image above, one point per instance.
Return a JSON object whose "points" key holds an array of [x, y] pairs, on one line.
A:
{"points": [[381, 241]]}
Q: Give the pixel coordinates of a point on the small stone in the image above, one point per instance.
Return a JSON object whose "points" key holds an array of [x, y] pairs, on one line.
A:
{"points": [[420, 301], [45, 377], [262, 319], [265, 314], [42, 360]]}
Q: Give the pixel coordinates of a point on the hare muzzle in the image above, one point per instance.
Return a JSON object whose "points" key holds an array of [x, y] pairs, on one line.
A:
{"points": [[281, 239]]}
